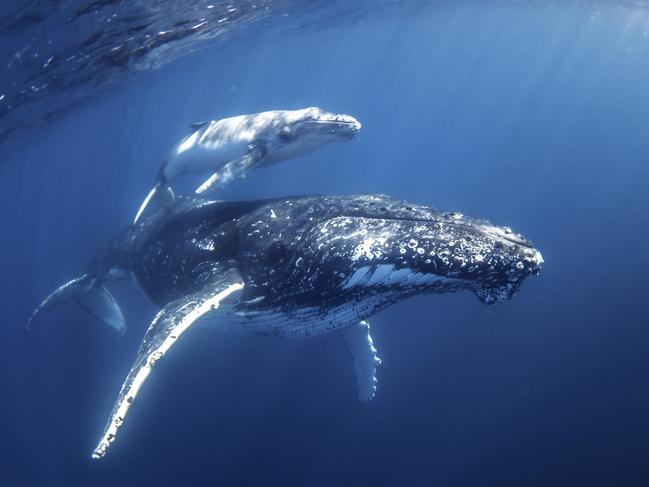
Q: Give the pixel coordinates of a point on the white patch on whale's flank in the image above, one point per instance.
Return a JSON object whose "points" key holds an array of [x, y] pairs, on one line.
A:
{"points": [[356, 277], [398, 276], [129, 395], [386, 275], [380, 274], [427, 279]]}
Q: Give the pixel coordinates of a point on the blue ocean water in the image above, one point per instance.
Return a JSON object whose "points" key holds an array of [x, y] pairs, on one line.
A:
{"points": [[532, 114]]}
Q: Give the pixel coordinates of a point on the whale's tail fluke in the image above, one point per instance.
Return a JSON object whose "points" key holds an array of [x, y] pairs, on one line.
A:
{"points": [[161, 194], [91, 295]]}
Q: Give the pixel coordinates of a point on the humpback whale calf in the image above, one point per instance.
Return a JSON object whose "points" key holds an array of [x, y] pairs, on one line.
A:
{"points": [[230, 147], [293, 267]]}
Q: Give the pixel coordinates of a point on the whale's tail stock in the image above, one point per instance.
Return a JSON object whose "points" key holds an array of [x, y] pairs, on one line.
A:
{"points": [[91, 295], [161, 194]]}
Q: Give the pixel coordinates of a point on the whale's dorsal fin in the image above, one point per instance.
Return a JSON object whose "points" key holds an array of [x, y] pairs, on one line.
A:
{"points": [[193, 127], [172, 320], [361, 347]]}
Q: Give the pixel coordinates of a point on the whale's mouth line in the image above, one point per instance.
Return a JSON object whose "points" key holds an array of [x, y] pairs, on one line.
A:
{"points": [[355, 125]]}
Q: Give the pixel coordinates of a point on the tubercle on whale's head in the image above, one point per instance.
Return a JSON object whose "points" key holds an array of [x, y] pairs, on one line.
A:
{"points": [[432, 251]]}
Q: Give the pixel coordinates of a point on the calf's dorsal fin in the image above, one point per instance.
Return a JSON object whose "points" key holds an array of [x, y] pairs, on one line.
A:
{"points": [[194, 126]]}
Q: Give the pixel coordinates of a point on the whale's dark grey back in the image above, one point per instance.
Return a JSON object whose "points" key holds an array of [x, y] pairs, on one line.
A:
{"points": [[285, 249]]}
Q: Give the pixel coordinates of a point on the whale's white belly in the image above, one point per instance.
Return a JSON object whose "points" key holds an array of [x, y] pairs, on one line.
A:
{"points": [[198, 155], [301, 322]]}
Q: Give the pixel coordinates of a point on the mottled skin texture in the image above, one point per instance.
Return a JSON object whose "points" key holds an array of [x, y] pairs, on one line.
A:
{"points": [[321, 253], [300, 266]]}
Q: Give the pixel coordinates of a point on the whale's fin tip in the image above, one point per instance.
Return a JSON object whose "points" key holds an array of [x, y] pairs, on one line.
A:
{"points": [[364, 356]]}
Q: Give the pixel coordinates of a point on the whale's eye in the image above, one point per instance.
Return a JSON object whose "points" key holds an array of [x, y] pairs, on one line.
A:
{"points": [[286, 135]]}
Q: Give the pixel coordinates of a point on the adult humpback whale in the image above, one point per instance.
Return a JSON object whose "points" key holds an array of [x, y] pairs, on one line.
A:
{"points": [[299, 267], [230, 147]]}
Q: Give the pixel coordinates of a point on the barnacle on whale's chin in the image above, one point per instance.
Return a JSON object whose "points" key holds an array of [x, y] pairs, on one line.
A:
{"points": [[529, 263], [494, 295]]}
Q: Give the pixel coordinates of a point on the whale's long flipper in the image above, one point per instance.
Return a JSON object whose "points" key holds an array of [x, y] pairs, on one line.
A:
{"points": [[359, 343], [236, 168], [173, 320], [90, 295], [162, 194]]}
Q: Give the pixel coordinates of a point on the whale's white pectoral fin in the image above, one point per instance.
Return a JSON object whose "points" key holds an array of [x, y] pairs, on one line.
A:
{"points": [[209, 182], [236, 168], [171, 322], [360, 346]]}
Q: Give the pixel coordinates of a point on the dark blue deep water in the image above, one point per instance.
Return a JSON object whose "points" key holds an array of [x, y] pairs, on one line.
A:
{"points": [[533, 114]]}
